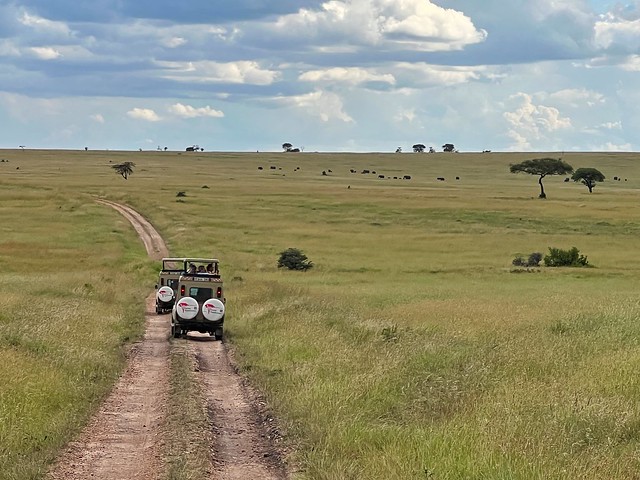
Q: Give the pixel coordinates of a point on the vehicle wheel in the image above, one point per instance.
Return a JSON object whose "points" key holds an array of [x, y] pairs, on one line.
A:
{"points": [[158, 310], [175, 333], [219, 334]]}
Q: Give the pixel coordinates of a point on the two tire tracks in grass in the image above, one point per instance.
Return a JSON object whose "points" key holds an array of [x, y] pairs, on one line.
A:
{"points": [[128, 437]]}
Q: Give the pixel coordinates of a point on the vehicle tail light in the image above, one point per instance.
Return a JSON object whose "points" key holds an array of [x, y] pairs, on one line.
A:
{"points": [[182, 290], [219, 292]]}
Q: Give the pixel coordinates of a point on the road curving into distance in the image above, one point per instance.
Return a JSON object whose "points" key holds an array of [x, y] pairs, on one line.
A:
{"points": [[125, 439]]}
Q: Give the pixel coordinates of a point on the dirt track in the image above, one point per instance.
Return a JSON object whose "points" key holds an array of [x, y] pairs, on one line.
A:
{"points": [[125, 438]]}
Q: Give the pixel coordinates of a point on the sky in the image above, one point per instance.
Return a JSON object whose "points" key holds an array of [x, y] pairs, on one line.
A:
{"points": [[327, 76]]}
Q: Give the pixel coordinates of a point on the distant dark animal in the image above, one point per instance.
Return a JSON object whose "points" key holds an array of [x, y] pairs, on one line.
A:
{"points": [[259, 168], [348, 186], [440, 179], [457, 178], [615, 178], [191, 149], [272, 167], [380, 176], [374, 172], [407, 177], [329, 171], [395, 178], [567, 179], [324, 172], [365, 171], [352, 171]]}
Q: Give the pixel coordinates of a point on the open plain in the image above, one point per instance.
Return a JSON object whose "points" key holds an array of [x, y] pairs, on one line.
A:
{"points": [[412, 349]]}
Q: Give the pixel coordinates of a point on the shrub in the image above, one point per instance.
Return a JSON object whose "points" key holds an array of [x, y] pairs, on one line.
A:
{"points": [[533, 260], [294, 259], [565, 258]]}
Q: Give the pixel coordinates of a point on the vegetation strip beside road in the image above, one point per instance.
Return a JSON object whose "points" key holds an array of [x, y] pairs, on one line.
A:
{"points": [[126, 437]]}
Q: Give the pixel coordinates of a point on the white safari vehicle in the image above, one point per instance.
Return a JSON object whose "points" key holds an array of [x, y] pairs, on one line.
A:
{"points": [[167, 285], [199, 303]]}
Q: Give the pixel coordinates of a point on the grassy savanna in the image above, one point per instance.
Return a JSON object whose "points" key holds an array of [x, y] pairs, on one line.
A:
{"points": [[412, 349]]}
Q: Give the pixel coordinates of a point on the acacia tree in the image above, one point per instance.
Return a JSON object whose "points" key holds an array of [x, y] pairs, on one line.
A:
{"points": [[287, 147], [588, 177], [125, 169], [542, 167], [419, 148]]}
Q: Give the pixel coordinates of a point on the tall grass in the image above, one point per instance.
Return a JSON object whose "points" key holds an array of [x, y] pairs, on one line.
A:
{"points": [[70, 277], [411, 349]]}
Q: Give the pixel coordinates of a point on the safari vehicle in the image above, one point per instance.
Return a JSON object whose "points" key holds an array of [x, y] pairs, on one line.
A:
{"points": [[200, 302], [167, 285]]}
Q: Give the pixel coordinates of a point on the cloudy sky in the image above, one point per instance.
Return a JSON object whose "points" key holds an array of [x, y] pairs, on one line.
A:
{"points": [[334, 75]]}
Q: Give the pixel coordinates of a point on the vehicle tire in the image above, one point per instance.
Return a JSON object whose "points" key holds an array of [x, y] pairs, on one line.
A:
{"points": [[158, 310], [219, 334], [175, 333]]}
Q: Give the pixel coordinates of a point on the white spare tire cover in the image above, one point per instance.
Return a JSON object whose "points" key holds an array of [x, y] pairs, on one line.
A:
{"points": [[187, 308], [213, 309], [165, 294]]}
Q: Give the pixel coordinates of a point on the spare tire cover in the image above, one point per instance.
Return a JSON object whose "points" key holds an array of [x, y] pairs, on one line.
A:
{"points": [[213, 309], [164, 294], [187, 308]]}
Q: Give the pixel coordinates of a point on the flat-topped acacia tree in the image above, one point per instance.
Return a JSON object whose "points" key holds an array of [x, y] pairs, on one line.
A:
{"points": [[542, 167], [588, 177]]}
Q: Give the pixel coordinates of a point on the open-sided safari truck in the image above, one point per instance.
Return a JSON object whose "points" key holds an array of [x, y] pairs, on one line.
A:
{"points": [[199, 303], [167, 285]]}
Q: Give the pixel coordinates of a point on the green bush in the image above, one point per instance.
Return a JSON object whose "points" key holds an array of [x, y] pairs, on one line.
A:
{"points": [[565, 258], [294, 259]]}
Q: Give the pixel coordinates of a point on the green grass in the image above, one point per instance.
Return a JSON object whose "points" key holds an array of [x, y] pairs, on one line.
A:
{"points": [[412, 349]]}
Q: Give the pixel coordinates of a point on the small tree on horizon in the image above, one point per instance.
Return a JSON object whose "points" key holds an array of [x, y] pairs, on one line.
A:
{"points": [[448, 147], [588, 177], [287, 147], [542, 167], [419, 148], [125, 169]]}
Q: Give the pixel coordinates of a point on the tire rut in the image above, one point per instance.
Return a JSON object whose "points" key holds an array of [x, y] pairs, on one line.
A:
{"points": [[125, 439]]}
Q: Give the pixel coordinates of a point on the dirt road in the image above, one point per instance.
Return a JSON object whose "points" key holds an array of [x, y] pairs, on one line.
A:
{"points": [[125, 439]]}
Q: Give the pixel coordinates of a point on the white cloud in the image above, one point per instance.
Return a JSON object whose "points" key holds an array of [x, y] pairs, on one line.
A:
{"points": [[618, 33], [577, 97], [528, 121], [187, 111], [325, 105], [426, 74], [610, 126], [144, 114], [98, 118], [394, 24], [46, 53], [241, 72], [350, 76], [44, 25], [174, 42]]}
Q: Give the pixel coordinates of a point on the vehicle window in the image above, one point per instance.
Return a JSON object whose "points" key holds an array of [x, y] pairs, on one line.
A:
{"points": [[172, 283], [201, 294]]}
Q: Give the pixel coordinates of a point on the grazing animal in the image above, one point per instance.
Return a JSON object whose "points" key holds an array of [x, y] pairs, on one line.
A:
{"points": [[324, 173], [352, 171], [272, 167], [380, 176], [365, 171], [407, 177], [440, 179], [259, 168], [457, 178]]}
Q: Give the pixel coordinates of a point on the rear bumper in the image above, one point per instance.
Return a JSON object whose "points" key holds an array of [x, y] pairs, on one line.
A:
{"points": [[205, 326]]}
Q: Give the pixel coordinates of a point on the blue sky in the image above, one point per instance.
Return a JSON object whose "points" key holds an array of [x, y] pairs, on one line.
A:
{"points": [[335, 75]]}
